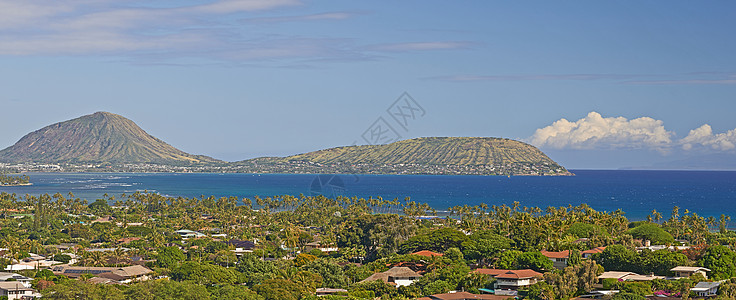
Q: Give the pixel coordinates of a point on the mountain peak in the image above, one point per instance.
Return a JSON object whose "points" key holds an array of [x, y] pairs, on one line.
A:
{"points": [[105, 114], [96, 138]]}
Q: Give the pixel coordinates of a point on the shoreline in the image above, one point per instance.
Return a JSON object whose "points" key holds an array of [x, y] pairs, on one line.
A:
{"points": [[18, 184]]}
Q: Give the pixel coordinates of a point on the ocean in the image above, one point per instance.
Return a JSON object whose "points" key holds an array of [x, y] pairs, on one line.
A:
{"points": [[708, 193]]}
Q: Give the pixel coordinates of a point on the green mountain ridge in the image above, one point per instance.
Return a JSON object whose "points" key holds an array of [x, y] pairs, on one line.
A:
{"points": [[101, 137], [428, 155]]}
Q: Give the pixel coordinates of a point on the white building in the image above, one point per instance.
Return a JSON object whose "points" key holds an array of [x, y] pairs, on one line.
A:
{"points": [[16, 290], [5, 276]]}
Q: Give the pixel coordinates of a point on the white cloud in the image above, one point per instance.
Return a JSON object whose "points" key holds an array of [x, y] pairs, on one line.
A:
{"points": [[703, 136], [596, 132], [169, 31]]}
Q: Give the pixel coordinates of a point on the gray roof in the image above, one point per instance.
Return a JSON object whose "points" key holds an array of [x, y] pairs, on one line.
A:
{"points": [[14, 286], [4, 276], [707, 285]]}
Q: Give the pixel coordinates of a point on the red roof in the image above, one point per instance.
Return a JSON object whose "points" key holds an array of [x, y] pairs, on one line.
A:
{"points": [[561, 254], [519, 274], [427, 253], [465, 296], [594, 250], [492, 272]]}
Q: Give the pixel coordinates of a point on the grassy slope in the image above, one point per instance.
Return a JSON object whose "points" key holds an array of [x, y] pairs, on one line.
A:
{"points": [[430, 151], [100, 137]]}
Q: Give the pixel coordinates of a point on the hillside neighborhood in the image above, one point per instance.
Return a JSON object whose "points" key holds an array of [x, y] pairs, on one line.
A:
{"points": [[61, 247]]}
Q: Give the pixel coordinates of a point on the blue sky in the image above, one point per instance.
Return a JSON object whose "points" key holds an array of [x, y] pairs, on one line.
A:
{"points": [[635, 82]]}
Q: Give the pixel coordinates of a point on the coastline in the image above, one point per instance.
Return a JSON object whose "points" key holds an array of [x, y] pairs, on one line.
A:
{"points": [[18, 184]]}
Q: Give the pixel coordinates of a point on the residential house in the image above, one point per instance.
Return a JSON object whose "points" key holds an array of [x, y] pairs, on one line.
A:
{"points": [[329, 291], [628, 276], [490, 272], [100, 280], [16, 290], [463, 296], [122, 274], [18, 267], [510, 282], [706, 289], [398, 276], [321, 247], [241, 247], [589, 253], [187, 234], [663, 247], [682, 271], [5, 276], [559, 259]]}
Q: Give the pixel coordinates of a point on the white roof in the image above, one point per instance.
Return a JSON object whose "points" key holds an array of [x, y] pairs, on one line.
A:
{"points": [[17, 267]]}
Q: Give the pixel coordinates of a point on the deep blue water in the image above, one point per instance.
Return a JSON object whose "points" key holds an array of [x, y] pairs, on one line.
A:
{"points": [[709, 193]]}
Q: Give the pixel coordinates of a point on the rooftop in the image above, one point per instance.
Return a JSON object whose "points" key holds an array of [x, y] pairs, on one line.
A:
{"points": [[594, 250], [427, 253], [492, 272], [14, 285], [706, 285], [464, 296], [560, 254], [688, 269], [519, 274]]}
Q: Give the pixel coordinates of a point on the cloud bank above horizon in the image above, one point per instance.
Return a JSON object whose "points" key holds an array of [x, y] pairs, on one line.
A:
{"points": [[595, 132], [231, 31]]}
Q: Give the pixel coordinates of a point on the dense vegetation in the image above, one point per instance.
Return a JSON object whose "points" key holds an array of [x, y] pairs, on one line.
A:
{"points": [[14, 179], [503, 236]]}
